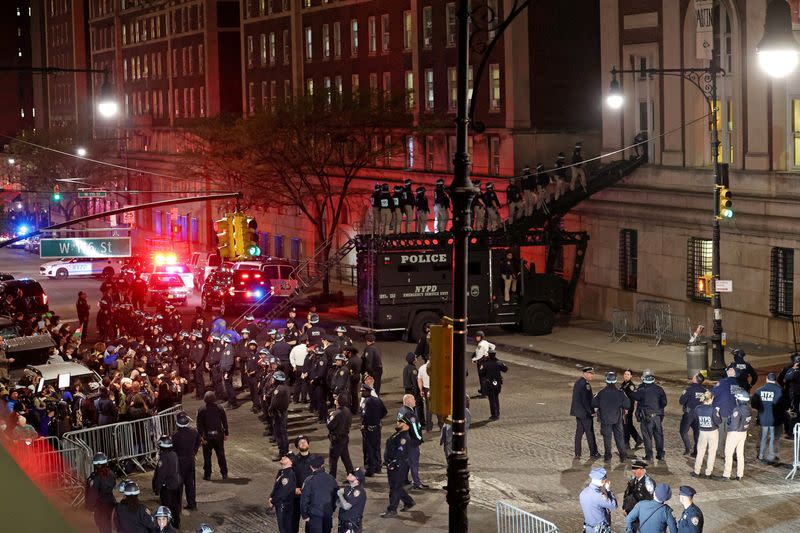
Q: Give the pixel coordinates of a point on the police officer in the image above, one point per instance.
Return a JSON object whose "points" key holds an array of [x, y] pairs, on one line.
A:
{"points": [[560, 175], [410, 385], [492, 382], [375, 201], [514, 200], [226, 367], [653, 516], [441, 207], [640, 486], [186, 442], [395, 457], [167, 479], [478, 208], [342, 339], [99, 493], [212, 364], [317, 374], [542, 192], [278, 411], [372, 412], [612, 405], [769, 402], [528, 190], [738, 424], [385, 210], [131, 516], [282, 496], [423, 210], [373, 364], [397, 209], [351, 500], [650, 413], [745, 373], [789, 380], [691, 521], [339, 434], [407, 205], [314, 331], [163, 520], [630, 428], [689, 400], [339, 381], [578, 172], [212, 424], [597, 501], [318, 498], [492, 204], [583, 412], [251, 372], [353, 365], [281, 349], [301, 465], [708, 422], [408, 412]]}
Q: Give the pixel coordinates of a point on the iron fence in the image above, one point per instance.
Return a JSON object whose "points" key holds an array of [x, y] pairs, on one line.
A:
{"points": [[796, 458], [651, 321], [512, 519]]}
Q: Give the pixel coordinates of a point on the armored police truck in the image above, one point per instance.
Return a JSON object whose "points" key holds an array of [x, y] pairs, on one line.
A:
{"points": [[405, 281]]}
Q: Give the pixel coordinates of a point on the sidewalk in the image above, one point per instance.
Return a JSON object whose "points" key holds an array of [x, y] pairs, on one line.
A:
{"points": [[588, 342]]}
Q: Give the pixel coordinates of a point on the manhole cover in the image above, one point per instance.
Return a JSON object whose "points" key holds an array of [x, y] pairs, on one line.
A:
{"points": [[215, 497]]}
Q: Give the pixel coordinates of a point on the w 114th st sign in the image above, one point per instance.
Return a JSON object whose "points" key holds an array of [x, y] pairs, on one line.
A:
{"points": [[90, 247]]}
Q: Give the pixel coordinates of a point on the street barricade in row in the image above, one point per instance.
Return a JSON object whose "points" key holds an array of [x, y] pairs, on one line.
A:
{"points": [[512, 519]]}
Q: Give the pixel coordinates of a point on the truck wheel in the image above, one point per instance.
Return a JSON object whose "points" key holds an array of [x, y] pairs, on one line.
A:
{"points": [[422, 320], [538, 320], [62, 273]]}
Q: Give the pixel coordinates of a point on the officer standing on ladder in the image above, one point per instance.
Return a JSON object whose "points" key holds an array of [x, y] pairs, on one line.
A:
{"points": [[407, 205], [423, 210], [441, 207]]}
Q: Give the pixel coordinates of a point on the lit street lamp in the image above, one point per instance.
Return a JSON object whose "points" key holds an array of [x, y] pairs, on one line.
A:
{"points": [[11, 161], [81, 152], [778, 52]]}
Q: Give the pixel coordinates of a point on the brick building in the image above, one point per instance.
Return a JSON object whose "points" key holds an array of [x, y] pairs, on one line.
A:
{"points": [[16, 88]]}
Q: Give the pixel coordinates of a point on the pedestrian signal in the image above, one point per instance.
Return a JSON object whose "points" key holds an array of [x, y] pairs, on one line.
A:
{"points": [[704, 285]]}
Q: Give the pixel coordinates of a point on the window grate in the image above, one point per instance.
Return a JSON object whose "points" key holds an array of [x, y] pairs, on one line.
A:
{"points": [[781, 282], [628, 259], [698, 263]]}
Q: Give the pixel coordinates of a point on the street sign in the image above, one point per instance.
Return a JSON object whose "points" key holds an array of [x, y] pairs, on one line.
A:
{"points": [[129, 217], [89, 247], [724, 285], [92, 194]]}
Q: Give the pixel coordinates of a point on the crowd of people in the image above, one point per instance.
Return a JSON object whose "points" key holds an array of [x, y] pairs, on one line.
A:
{"points": [[395, 209], [712, 419]]}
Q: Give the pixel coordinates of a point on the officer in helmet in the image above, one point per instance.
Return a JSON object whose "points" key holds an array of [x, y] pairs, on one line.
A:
{"points": [[375, 202], [611, 404], [651, 401], [278, 412], [130, 515], [163, 518], [100, 493], [745, 373], [167, 479], [441, 207], [315, 332], [226, 366], [423, 210], [204, 528], [186, 443], [397, 209], [385, 210], [492, 204], [478, 208], [342, 339], [407, 205]]}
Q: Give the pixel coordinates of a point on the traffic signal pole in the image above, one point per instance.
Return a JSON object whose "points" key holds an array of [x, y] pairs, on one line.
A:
{"points": [[717, 366], [119, 211]]}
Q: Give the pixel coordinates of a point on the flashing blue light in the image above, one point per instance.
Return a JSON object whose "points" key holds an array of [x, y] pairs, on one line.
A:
{"points": [[23, 230], [257, 294]]}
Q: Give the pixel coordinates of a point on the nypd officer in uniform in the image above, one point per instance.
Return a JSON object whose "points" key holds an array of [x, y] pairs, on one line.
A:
{"points": [[514, 200], [640, 486], [212, 423], [423, 210], [278, 409], [492, 204], [407, 206], [372, 412], [186, 442], [212, 364], [582, 410], [351, 500], [650, 412], [395, 457], [612, 404], [397, 209], [441, 207], [689, 400], [375, 201], [339, 434], [167, 479], [318, 498], [385, 210], [597, 501], [691, 521], [197, 353], [653, 516], [493, 382], [745, 373], [282, 497], [478, 209]]}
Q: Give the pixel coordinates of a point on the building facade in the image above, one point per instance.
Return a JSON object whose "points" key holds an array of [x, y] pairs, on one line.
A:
{"points": [[651, 235], [16, 87]]}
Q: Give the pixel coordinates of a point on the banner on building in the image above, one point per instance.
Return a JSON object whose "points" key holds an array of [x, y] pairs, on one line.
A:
{"points": [[705, 28]]}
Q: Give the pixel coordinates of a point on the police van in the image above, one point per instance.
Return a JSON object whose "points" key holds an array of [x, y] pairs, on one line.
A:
{"points": [[405, 281]]}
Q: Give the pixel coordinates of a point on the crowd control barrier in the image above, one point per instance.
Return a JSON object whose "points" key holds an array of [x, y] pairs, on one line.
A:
{"points": [[512, 519]]}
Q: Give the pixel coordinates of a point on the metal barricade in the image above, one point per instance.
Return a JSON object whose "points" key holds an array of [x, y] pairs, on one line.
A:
{"points": [[650, 321], [619, 325], [673, 328], [796, 459], [137, 440], [97, 439], [512, 519]]}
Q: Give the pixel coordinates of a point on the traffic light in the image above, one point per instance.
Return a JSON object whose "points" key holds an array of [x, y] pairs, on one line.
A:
{"points": [[251, 247], [725, 203], [704, 284], [239, 231], [225, 239], [56, 193], [440, 368]]}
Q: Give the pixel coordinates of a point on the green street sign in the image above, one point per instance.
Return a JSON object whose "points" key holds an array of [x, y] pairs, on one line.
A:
{"points": [[91, 247], [92, 194]]}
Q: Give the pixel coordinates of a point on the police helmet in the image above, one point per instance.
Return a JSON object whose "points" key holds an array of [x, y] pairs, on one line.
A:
{"points": [[398, 188], [245, 331], [648, 377], [163, 512], [252, 341], [439, 182], [279, 336], [377, 186], [540, 167], [273, 360], [131, 489], [561, 155], [420, 190], [407, 182], [99, 459], [360, 475], [168, 338], [165, 441], [313, 318], [226, 338], [611, 377], [204, 528], [182, 419], [214, 336], [738, 353], [249, 318], [480, 334], [184, 334], [319, 350], [340, 357], [489, 186], [272, 332], [341, 329], [385, 187], [264, 352], [279, 376]]}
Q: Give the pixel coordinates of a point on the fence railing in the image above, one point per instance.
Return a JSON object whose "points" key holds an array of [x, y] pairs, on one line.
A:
{"points": [[512, 519], [650, 323], [796, 458]]}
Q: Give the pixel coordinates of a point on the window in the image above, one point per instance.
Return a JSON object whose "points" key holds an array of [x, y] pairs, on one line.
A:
{"points": [[427, 27], [698, 263], [410, 103], [286, 47], [387, 150], [310, 86], [326, 42], [373, 88], [781, 282], [337, 40], [309, 48], [493, 8], [409, 151], [494, 155], [628, 258], [451, 24], [372, 35], [272, 49], [279, 238], [387, 86], [249, 54], [354, 38], [355, 83], [494, 87], [264, 97], [407, 34], [722, 46], [177, 103], [429, 91], [202, 101], [452, 89], [326, 85], [796, 130], [287, 90], [273, 94], [385, 33], [251, 98], [264, 49], [429, 152], [337, 83]]}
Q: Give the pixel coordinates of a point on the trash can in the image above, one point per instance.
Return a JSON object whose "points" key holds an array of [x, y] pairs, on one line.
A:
{"points": [[696, 358]]}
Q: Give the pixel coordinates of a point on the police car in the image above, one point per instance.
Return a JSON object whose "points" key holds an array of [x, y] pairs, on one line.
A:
{"points": [[81, 266]]}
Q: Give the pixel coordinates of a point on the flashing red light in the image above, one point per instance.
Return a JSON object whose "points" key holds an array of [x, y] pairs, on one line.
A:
{"points": [[449, 241], [473, 240], [245, 276], [249, 294], [419, 242], [257, 276], [427, 242], [435, 241], [231, 291]]}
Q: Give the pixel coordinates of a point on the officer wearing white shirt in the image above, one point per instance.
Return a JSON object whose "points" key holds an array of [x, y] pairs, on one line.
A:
{"points": [[297, 358], [424, 381], [481, 353]]}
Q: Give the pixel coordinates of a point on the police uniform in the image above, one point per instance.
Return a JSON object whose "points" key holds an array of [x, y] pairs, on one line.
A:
{"points": [[493, 382], [514, 199], [317, 374], [738, 424], [136, 520], [212, 424], [581, 409], [282, 497], [745, 373], [638, 489], [651, 401], [355, 499], [691, 521], [708, 421], [407, 205], [372, 412], [279, 407], [611, 404], [186, 443], [385, 210], [318, 499], [353, 365], [167, 482], [542, 192], [414, 441], [561, 175], [423, 209], [397, 209], [99, 498], [597, 504], [478, 208], [652, 516], [340, 381], [395, 457], [441, 207], [301, 465], [212, 360], [689, 400], [410, 384], [528, 191], [492, 204], [375, 201], [578, 172], [226, 367], [339, 434], [373, 365]]}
